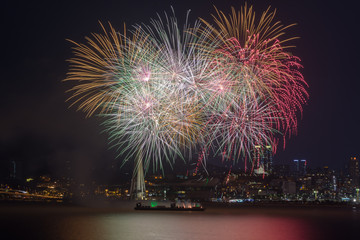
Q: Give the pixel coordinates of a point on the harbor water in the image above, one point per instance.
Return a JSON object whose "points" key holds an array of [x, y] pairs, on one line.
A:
{"points": [[114, 223]]}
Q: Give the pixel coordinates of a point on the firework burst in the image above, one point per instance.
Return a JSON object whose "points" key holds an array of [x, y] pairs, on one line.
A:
{"points": [[258, 90], [168, 89], [146, 88]]}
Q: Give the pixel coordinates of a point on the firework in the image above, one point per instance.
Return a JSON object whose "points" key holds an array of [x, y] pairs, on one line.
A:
{"points": [[166, 91], [145, 87], [95, 68], [259, 90]]}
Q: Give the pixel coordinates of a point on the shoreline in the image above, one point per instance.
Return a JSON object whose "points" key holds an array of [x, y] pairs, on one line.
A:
{"points": [[130, 204]]}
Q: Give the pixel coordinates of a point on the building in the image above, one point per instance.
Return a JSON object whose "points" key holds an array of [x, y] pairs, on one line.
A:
{"points": [[303, 165], [264, 159], [15, 170], [268, 159], [354, 171], [299, 167], [296, 166], [281, 170], [289, 187]]}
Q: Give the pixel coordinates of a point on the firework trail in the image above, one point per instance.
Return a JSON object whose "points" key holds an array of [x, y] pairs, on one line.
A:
{"points": [[167, 90], [95, 68], [145, 87], [259, 90]]}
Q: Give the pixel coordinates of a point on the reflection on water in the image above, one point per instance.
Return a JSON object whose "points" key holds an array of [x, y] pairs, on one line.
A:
{"points": [[93, 224], [183, 226]]}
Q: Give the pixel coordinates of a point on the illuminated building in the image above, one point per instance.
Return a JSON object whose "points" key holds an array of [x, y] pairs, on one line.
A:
{"points": [[303, 164], [296, 166], [264, 159], [299, 167], [268, 159]]}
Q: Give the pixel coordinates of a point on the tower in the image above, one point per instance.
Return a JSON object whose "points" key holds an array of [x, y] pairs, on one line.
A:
{"points": [[296, 166], [354, 171], [263, 157], [268, 159], [15, 170], [137, 188], [299, 167], [302, 167]]}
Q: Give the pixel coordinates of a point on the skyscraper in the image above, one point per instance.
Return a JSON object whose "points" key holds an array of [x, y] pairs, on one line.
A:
{"points": [[296, 166], [302, 169], [268, 159], [299, 167], [354, 171], [263, 158]]}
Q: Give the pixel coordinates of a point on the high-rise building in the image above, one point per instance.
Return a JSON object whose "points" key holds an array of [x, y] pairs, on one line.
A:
{"points": [[296, 166], [299, 167], [354, 171], [264, 158], [15, 170], [268, 159], [302, 169]]}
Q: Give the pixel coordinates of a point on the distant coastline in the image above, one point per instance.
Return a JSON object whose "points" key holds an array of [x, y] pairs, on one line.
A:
{"points": [[207, 204]]}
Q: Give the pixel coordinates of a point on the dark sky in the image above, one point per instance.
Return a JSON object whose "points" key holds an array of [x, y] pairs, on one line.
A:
{"points": [[38, 128]]}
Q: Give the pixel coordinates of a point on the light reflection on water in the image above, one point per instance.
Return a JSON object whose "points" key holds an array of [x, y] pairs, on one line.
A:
{"points": [[159, 226], [74, 223]]}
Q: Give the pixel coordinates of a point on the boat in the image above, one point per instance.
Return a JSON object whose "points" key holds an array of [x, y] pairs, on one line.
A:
{"points": [[173, 207]]}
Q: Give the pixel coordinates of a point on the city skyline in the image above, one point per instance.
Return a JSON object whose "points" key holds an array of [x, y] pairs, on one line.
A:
{"points": [[280, 184]]}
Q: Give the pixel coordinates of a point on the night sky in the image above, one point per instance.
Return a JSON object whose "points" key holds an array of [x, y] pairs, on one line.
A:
{"points": [[38, 129]]}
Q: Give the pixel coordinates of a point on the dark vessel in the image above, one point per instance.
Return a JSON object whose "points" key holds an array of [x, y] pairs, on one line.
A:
{"points": [[172, 207]]}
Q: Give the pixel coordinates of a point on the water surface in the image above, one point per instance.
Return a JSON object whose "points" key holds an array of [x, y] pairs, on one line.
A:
{"points": [[112, 223]]}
